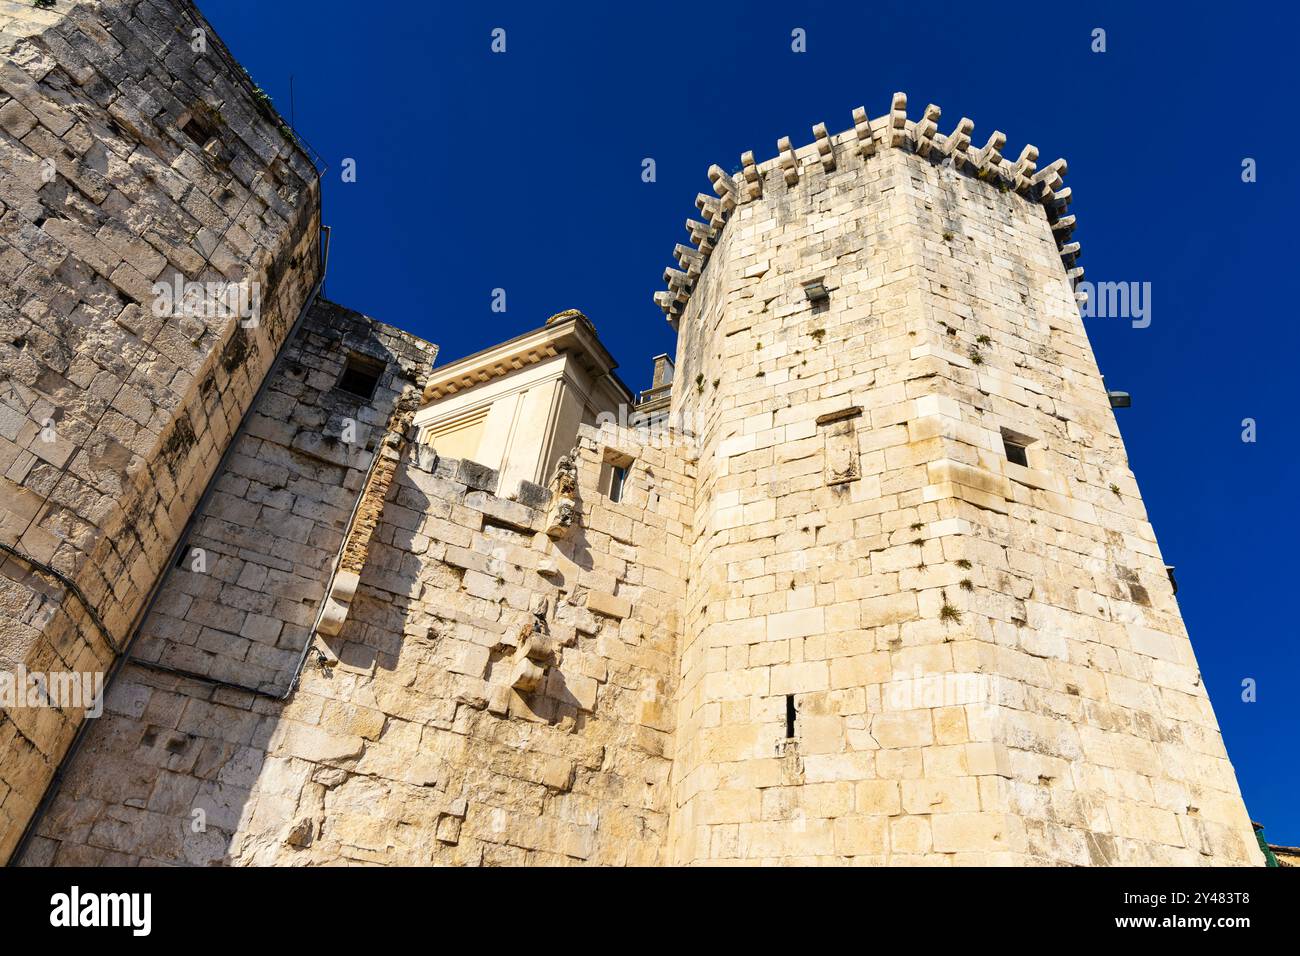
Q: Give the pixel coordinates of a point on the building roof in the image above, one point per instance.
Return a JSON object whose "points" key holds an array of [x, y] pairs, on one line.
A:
{"points": [[569, 331]]}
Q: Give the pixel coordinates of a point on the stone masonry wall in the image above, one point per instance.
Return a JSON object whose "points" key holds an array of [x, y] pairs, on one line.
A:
{"points": [[986, 663], [239, 605], [418, 750], [796, 588], [831, 622], [1107, 747], [112, 418], [406, 742]]}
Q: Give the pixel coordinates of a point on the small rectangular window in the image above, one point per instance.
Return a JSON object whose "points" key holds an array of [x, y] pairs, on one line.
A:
{"points": [[789, 716], [196, 129], [360, 375], [617, 478], [614, 472], [1016, 445]]}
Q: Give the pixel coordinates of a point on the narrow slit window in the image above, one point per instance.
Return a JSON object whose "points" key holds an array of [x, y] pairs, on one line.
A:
{"points": [[617, 479], [614, 472], [789, 716], [360, 376]]}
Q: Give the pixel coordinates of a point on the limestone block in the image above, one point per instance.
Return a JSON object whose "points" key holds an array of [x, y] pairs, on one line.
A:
{"points": [[859, 835], [877, 797], [333, 617], [976, 832], [609, 604], [910, 835], [799, 623], [502, 511], [315, 744], [470, 659], [526, 676], [909, 728], [959, 795], [575, 689], [448, 829], [557, 774]]}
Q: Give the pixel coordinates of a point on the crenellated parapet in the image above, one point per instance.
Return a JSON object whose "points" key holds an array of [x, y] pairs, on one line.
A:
{"points": [[825, 156]]}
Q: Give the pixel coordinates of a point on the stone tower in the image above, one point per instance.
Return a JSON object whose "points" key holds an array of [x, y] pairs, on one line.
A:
{"points": [[136, 153], [864, 577], [927, 618]]}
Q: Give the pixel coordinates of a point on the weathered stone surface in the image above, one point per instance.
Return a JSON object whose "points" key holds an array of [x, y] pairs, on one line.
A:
{"points": [[865, 557], [127, 413], [611, 605], [832, 623]]}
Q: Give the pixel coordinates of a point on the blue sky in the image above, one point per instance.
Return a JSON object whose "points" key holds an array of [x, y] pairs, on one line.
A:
{"points": [[521, 171]]}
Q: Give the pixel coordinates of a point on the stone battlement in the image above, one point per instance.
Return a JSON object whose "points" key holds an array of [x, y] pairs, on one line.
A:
{"points": [[891, 131]]}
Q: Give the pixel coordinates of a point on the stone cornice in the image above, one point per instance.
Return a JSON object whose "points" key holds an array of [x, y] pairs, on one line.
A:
{"points": [[568, 332]]}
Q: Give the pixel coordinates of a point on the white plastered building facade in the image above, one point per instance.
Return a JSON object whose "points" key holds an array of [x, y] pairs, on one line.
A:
{"points": [[516, 407]]}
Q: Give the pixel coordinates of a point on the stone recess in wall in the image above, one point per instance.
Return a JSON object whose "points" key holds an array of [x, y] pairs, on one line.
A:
{"points": [[841, 452]]}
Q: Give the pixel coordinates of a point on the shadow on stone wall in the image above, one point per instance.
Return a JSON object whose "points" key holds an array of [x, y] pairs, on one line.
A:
{"points": [[168, 773]]}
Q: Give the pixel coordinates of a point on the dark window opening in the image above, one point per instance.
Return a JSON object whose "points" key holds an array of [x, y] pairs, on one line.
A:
{"points": [[1015, 452], [197, 131], [617, 479], [360, 376], [789, 716], [614, 473]]}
